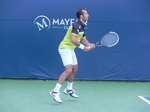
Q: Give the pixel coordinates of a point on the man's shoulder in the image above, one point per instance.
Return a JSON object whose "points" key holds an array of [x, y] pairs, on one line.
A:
{"points": [[75, 23]]}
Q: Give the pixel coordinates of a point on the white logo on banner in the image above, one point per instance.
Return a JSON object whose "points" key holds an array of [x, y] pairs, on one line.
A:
{"points": [[44, 22]]}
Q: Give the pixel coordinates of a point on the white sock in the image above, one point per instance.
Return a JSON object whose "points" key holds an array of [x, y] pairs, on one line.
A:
{"points": [[57, 87], [69, 86]]}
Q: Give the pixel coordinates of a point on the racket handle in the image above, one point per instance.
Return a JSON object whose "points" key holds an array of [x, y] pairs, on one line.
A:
{"points": [[98, 45]]}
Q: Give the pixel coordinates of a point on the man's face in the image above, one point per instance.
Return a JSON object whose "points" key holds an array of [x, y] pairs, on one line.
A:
{"points": [[85, 15]]}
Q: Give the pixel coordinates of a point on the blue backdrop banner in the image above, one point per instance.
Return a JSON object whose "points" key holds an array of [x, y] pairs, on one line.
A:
{"points": [[31, 30]]}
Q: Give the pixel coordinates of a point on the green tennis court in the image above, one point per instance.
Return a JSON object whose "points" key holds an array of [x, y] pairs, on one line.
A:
{"points": [[94, 96]]}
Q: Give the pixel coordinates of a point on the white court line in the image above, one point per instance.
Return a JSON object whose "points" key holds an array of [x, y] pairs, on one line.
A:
{"points": [[144, 99]]}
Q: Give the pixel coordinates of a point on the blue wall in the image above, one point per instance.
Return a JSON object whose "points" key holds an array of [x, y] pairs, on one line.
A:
{"points": [[28, 50]]}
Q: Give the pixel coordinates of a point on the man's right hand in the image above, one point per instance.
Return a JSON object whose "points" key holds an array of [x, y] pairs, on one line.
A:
{"points": [[86, 48]]}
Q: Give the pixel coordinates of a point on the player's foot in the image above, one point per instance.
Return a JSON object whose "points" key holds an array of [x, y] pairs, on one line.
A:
{"points": [[55, 96], [71, 93]]}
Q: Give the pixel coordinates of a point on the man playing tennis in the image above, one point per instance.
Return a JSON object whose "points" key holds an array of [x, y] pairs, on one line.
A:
{"points": [[72, 39]]}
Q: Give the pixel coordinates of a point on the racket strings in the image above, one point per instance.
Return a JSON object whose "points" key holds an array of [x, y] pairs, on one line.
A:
{"points": [[110, 39]]}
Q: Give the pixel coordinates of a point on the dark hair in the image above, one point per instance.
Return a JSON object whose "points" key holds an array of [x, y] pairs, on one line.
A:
{"points": [[79, 12]]}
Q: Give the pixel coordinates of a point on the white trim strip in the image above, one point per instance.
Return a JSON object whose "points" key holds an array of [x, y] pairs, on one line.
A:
{"points": [[81, 32], [147, 101]]}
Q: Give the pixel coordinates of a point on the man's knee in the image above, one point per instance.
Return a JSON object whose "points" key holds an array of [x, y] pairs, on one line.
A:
{"points": [[75, 68], [69, 69]]}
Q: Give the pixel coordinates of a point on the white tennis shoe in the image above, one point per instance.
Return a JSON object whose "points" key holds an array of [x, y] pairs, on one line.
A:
{"points": [[70, 92], [55, 96]]}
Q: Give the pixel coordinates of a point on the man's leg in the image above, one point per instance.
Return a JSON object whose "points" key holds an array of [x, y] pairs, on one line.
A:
{"points": [[65, 74], [69, 90], [55, 93], [73, 73]]}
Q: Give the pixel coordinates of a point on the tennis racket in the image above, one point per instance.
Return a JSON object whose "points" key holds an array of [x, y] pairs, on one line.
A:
{"points": [[109, 39]]}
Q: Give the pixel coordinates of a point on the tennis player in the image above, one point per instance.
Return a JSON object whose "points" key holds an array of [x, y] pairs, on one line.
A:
{"points": [[72, 39]]}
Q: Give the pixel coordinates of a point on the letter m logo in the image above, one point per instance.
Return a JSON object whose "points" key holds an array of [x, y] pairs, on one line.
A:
{"points": [[42, 22]]}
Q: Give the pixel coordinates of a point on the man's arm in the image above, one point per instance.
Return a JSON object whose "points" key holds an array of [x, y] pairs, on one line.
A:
{"points": [[86, 42], [74, 40], [77, 43]]}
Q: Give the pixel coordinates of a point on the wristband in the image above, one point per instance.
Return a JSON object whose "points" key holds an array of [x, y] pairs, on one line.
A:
{"points": [[81, 46]]}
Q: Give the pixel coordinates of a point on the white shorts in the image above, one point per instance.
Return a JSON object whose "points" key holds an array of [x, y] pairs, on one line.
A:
{"points": [[68, 57]]}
